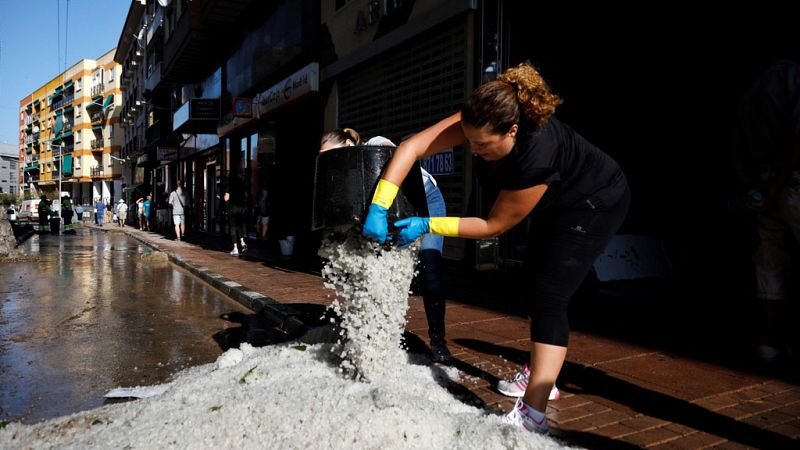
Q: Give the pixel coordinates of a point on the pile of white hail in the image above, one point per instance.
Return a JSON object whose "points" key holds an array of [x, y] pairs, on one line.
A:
{"points": [[372, 286]]}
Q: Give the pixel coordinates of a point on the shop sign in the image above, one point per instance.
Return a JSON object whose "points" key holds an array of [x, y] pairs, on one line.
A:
{"points": [[167, 153], [296, 86], [242, 107], [439, 164], [204, 109]]}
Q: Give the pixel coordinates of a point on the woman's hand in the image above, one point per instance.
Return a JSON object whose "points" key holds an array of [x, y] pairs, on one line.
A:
{"points": [[411, 228], [375, 226]]}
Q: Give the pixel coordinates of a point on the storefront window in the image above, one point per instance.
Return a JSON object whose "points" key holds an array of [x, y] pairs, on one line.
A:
{"points": [[254, 168], [243, 159]]}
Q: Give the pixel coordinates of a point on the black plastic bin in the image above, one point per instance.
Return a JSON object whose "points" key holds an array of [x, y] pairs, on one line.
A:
{"points": [[345, 180]]}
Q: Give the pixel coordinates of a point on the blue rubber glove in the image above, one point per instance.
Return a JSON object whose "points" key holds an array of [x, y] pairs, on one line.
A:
{"points": [[410, 229], [375, 225]]}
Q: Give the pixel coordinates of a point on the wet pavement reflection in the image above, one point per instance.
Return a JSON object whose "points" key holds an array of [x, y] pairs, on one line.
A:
{"points": [[99, 310]]}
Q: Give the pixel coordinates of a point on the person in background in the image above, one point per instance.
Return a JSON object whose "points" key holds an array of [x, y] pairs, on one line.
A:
{"points": [[99, 211], [234, 208], [430, 254], [578, 197], [147, 206], [67, 213], [140, 212], [263, 213], [79, 212], [122, 212], [109, 211], [766, 154], [44, 214], [177, 200]]}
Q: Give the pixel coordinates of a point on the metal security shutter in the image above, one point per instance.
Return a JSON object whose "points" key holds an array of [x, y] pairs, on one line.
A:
{"points": [[409, 88]]}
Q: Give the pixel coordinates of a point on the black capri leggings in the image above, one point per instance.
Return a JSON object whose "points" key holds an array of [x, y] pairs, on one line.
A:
{"points": [[562, 248]]}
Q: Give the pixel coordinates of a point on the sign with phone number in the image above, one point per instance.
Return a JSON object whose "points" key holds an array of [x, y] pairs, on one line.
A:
{"points": [[440, 163]]}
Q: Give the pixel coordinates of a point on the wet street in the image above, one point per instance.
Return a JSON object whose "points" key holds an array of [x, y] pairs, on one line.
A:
{"points": [[99, 310]]}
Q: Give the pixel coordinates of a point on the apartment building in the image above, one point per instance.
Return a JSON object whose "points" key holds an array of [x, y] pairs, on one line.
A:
{"points": [[69, 133], [9, 169]]}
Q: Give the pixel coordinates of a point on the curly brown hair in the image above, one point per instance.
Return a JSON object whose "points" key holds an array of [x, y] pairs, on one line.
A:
{"points": [[519, 91]]}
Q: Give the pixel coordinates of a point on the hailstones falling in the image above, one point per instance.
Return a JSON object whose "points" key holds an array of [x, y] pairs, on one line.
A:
{"points": [[371, 284]]}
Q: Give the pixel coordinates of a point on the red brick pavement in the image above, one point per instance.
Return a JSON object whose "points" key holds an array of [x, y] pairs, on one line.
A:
{"points": [[615, 394]]}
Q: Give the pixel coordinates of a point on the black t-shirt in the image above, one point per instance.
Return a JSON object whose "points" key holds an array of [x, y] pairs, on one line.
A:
{"points": [[768, 116], [556, 155]]}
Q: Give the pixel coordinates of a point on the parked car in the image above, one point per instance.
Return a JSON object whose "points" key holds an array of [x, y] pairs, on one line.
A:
{"points": [[29, 211]]}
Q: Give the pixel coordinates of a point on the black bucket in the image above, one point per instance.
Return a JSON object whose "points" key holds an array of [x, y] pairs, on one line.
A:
{"points": [[345, 180]]}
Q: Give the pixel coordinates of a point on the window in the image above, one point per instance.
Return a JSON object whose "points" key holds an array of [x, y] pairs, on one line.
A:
{"points": [[110, 78], [78, 109], [78, 83], [77, 161]]}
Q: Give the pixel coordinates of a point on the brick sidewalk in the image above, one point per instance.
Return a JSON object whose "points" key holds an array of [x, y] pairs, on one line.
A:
{"points": [[614, 394]]}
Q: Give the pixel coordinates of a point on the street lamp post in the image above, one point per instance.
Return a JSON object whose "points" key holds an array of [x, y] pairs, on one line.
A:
{"points": [[60, 148], [60, 174]]}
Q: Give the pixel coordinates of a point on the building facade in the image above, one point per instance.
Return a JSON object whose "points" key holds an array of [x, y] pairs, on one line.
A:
{"points": [[9, 169], [222, 90], [69, 133]]}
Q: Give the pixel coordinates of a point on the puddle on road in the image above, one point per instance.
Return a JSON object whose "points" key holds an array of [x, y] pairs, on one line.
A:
{"points": [[99, 310]]}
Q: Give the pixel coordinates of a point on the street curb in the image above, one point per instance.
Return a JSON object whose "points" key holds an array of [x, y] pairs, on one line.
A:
{"points": [[283, 316]]}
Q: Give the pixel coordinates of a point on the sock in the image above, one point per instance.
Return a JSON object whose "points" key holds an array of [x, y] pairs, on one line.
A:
{"points": [[532, 413]]}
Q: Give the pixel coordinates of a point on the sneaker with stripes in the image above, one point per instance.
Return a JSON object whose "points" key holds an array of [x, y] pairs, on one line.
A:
{"points": [[526, 417], [516, 387]]}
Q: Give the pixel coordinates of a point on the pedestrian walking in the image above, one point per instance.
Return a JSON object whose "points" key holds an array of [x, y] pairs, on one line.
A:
{"points": [[576, 194], [235, 210], [147, 206], [178, 200], [99, 211], [122, 213]]}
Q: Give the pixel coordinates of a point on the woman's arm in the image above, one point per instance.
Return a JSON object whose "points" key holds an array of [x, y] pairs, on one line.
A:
{"points": [[445, 134], [509, 209]]}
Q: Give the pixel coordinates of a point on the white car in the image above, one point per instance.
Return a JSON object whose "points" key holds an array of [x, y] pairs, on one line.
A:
{"points": [[29, 211]]}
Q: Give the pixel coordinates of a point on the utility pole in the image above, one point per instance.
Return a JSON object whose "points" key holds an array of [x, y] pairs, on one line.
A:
{"points": [[60, 163]]}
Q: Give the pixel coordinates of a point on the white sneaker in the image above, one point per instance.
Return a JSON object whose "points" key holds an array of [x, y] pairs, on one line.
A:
{"points": [[522, 416], [517, 386], [235, 252]]}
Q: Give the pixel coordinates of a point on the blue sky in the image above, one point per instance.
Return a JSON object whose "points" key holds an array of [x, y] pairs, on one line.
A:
{"points": [[29, 50]]}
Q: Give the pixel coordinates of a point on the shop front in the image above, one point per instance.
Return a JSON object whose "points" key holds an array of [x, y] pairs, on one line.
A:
{"points": [[271, 142]]}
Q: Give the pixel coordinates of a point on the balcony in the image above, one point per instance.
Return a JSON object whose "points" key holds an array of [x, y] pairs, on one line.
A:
{"points": [[153, 78], [97, 144], [96, 116], [155, 133], [61, 103], [200, 35], [96, 90], [97, 172]]}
